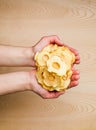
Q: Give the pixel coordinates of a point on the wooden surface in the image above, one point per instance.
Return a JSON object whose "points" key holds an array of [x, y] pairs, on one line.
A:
{"points": [[24, 22]]}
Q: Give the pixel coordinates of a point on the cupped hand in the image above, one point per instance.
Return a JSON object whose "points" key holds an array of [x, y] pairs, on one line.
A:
{"points": [[53, 39], [37, 88]]}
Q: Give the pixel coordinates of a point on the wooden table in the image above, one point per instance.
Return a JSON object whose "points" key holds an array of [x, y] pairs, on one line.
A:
{"points": [[23, 23]]}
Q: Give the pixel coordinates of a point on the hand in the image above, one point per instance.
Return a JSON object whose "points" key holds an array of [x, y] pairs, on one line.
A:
{"points": [[37, 88], [46, 40]]}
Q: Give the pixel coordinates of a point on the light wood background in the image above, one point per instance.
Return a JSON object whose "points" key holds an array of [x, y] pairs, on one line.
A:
{"points": [[23, 23]]}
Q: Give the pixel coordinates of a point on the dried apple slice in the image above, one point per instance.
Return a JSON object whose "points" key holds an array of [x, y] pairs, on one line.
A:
{"points": [[41, 58], [50, 48], [51, 79], [65, 84], [68, 56], [50, 88], [73, 58], [69, 74], [56, 65], [39, 75]]}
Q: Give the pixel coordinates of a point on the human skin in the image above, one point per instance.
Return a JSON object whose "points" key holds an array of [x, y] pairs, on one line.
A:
{"points": [[24, 56]]}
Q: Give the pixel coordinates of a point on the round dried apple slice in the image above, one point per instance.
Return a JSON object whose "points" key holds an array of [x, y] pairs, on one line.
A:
{"points": [[56, 65], [51, 79], [41, 58]]}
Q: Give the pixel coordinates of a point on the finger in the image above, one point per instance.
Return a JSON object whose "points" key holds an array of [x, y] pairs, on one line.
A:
{"points": [[57, 94], [77, 61], [72, 49], [75, 77], [73, 84], [75, 72], [78, 57], [53, 94], [55, 39]]}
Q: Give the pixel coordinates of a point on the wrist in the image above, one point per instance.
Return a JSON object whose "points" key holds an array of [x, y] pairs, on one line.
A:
{"points": [[16, 82], [27, 81], [30, 80], [29, 54]]}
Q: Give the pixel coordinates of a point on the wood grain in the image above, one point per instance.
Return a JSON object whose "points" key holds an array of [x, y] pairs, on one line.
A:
{"points": [[74, 21]]}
